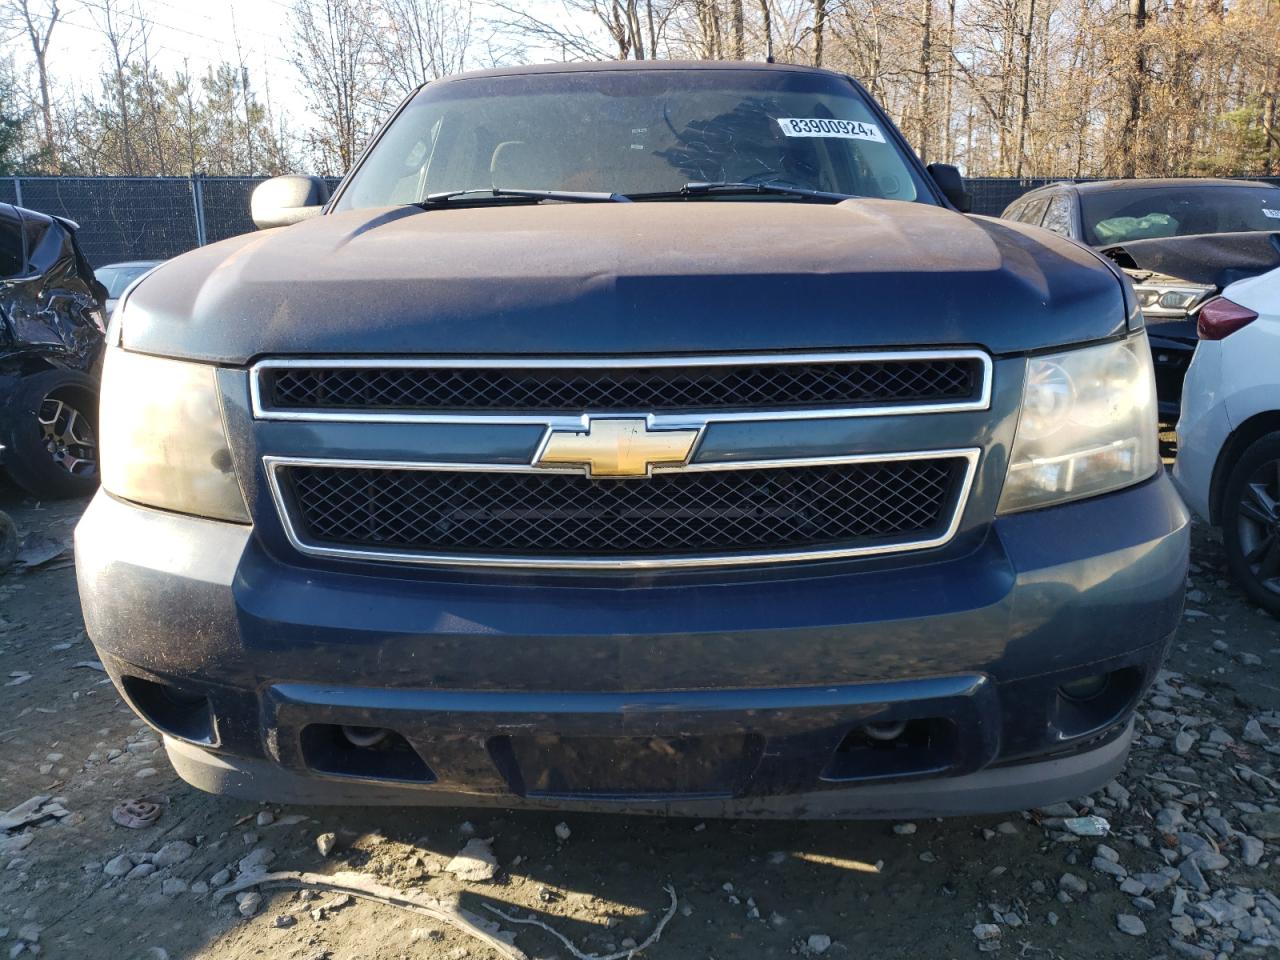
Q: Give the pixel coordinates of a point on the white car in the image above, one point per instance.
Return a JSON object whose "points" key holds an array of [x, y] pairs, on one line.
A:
{"points": [[1228, 466]]}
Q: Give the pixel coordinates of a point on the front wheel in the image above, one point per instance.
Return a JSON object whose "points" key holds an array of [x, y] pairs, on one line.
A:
{"points": [[51, 432], [1251, 522]]}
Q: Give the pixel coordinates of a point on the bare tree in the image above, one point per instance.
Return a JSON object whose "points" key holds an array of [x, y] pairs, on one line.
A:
{"points": [[335, 48], [124, 32], [573, 42], [423, 40], [37, 18]]}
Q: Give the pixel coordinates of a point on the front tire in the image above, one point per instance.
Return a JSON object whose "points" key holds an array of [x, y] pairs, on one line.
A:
{"points": [[51, 432], [1251, 522]]}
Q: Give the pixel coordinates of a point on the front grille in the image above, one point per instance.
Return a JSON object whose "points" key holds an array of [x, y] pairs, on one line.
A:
{"points": [[541, 389], [675, 514]]}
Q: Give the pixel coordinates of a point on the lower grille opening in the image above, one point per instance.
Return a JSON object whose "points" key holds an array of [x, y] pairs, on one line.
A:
{"points": [[365, 752], [179, 713], [897, 749], [677, 514]]}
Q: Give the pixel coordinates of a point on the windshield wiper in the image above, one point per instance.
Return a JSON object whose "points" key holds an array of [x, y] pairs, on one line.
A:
{"points": [[729, 188], [475, 193]]}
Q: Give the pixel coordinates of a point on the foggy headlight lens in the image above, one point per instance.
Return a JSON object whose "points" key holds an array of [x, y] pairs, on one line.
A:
{"points": [[163, 442], [1088, 425]]}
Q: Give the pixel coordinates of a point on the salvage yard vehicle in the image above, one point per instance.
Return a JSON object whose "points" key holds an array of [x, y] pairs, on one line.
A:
{"points": [[1179, 240], [51, 345], [116, 277], [646, 437], [1228, 465]]}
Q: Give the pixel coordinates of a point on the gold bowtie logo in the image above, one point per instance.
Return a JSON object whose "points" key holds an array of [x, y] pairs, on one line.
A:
{"points": [[618, 448]]}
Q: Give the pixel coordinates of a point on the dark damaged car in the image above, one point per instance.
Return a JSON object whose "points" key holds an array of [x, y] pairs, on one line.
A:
{"points": [[1180, 240], [652, 438], [51, 348]]}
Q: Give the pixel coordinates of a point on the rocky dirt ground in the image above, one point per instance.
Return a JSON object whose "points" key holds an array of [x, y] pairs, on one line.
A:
{"points": [[1187, 868]]}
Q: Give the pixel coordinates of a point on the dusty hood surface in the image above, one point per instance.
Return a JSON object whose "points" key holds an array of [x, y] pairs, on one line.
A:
{"points": [[626, 278]]}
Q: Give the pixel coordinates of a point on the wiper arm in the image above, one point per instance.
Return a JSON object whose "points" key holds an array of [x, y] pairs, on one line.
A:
{"points": [[729, 188], [568, 196], [786, 189]]}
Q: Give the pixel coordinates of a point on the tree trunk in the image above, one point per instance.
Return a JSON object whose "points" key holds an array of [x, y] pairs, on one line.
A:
{"points": [[40, 35], [819, 29], [766, 25], [1137, 86], [739, 30], [925, 78], [1024, 96], [948, 137]]}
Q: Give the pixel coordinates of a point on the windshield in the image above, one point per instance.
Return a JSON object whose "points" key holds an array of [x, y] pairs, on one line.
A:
{"points": [[1117, 216], [634, 132], [117, 277]]}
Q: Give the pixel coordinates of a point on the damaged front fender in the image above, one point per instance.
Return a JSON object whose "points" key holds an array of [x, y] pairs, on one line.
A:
{"points": [[52, 307]]}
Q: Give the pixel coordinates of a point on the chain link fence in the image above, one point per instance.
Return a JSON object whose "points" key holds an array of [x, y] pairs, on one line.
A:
{"points": [[154, 218]]}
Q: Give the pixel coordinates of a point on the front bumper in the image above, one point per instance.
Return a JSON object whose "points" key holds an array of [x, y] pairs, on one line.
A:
{"points": [[738, 694]]}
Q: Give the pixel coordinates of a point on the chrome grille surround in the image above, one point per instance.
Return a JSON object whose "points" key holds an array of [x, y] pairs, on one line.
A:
{"points": [[263, 409], [775, 384], [277, 467]]}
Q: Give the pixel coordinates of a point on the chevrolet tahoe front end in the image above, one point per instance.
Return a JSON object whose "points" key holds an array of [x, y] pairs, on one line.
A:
{"points": [[668, 495]]}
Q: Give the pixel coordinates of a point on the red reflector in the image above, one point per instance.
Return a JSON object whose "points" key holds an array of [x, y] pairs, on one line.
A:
{"points": [[1220, 318]]}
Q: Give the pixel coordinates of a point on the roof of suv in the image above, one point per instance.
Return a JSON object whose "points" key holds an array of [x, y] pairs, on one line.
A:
{"points": [[632, 65], [25, 212]]}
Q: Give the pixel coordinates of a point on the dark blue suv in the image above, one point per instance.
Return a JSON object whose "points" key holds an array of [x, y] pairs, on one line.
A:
{"points": [[642, 437]]}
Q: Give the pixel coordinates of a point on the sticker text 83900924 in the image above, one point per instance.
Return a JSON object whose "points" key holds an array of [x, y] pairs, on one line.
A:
{"points": [[843, 129]]}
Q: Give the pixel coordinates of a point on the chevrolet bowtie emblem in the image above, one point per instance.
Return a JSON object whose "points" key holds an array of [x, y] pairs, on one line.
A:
{"points": [[617, 448]]}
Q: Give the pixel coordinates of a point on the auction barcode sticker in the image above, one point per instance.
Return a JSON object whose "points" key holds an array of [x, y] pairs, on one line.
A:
{"points": [[843, 129]]}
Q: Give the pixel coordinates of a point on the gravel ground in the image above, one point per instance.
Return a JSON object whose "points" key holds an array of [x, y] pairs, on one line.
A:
{"points": [[1186, 868]]}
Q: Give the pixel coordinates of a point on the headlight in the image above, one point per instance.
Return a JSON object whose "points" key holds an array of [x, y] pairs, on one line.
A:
{"points": [[1088, 425], [163, 443], [1162, 300]]}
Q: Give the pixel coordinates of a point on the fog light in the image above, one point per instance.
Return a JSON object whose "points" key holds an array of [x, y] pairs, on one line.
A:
{"points": [[1085, 688]]}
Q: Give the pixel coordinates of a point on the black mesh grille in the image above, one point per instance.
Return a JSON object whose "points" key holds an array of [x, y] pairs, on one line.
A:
{"points": [[686, 513], [649, 389]]}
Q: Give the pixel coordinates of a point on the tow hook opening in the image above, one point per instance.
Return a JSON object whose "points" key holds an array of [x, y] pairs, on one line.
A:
{"points": [[367, 753], [894, 748], [171, 710], [365, 736], [1091, 702]]}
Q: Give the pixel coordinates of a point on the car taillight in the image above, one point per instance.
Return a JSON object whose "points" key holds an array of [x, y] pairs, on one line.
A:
{"points": [[1220, 318]]}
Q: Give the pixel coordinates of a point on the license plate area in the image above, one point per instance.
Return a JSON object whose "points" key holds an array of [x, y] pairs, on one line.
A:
{"points": [[552, 766]]}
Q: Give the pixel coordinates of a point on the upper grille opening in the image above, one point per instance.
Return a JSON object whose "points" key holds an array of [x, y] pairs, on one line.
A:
{"points": [[541, 389]]}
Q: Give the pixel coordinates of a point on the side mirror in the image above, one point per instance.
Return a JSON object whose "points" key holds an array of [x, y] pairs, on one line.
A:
{"points": [[951, 184], [281, 201]]}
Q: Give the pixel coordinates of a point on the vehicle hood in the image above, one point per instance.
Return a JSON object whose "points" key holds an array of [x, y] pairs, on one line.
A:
{"points": [[651, 277], [1215, 259]]}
